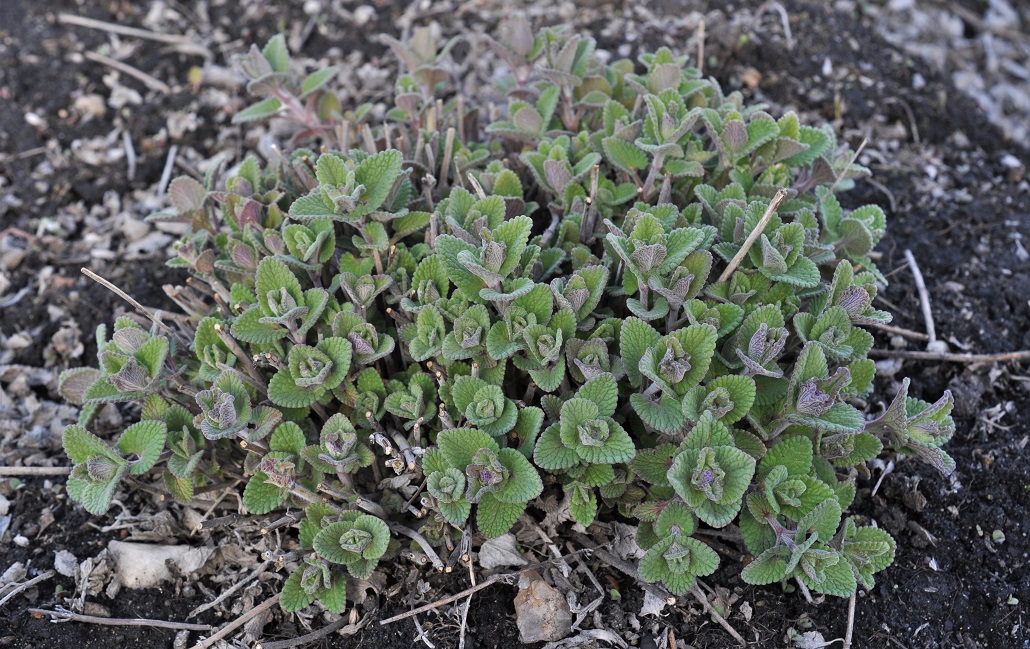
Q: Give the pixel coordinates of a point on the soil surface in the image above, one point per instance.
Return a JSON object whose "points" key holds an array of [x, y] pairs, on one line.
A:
{"points": [[71, 195]]}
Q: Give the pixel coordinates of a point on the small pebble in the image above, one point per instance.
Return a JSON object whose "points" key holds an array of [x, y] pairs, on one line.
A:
{"points": [[21, 541]]}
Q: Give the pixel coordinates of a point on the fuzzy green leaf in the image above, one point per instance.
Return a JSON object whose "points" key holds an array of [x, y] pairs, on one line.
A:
{"points": [[635, 339], [293, 597], [794, 453], [495, 517], [261, 496], [80, 445], [378, 173], [458, 445], [146, 440], [550, 454], [603, 391], [524, 482]]}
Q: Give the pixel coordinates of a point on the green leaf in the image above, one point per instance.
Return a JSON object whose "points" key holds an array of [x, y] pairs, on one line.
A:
{"points": [[523, 484], [550, 454], [145, 439], [823, 520], [293, 597], [582, 503], [80, 445], [617, 448], [261, 110], [653, 464], [248, 328], [464, 390], [495, 517], [768, 568], [334, 597], [623, 154], [288, 437], [282, 391], [666, 415], [603, 391], [316, 80], [794, 453], [276, 54], [527, 427], [180, 488], [95, 495], [458, 445], [261, 496], [456, 513], [839, 580], [514, 233], [675, 514], [378, 173], [635, 339], [866, 447], [467, 282]]}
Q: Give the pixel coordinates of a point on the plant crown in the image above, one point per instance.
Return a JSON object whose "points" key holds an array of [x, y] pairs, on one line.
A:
{"points": [[537, 305]]}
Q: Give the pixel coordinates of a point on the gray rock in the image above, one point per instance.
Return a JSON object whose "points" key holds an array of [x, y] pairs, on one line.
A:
{"points": [[541, 613]]}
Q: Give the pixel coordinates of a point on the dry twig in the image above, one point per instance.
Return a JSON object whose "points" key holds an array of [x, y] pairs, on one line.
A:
{"points": [[62, 614], [851, 621], [339, 624], [696, 592], [229, 591], [899, 331], [8, 471], [447, 600], [924, 298], [238, 622], [26, 585], [751, 238], [950, 357], [149, 81], [187, 45], [128, 298]]}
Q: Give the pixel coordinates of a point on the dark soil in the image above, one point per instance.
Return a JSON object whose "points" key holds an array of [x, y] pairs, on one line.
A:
{"points": [[953, 581]]}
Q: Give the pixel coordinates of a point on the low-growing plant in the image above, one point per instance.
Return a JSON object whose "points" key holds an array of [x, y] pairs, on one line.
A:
{"points": [[635, 291]]}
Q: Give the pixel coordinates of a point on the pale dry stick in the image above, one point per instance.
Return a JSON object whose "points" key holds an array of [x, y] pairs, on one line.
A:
{"points": [[784, 19], [465, 610], [238, 622], [924, 298], [851, 621], [10, 471], [128, 298], [904, 333], [843, 171], [166, 173], [696, 592], [448, 151], [434, 558], [476, 186], [422, 634], [151, 82], [26, 585], [751, 238], [335, 625], [235, 587], [447, 600], [1023, 355], [65, 615], [130, 154], [171, 39]]}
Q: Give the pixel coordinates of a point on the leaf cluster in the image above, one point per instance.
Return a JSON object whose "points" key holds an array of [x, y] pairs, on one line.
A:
{"points": [[534, 305]]}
